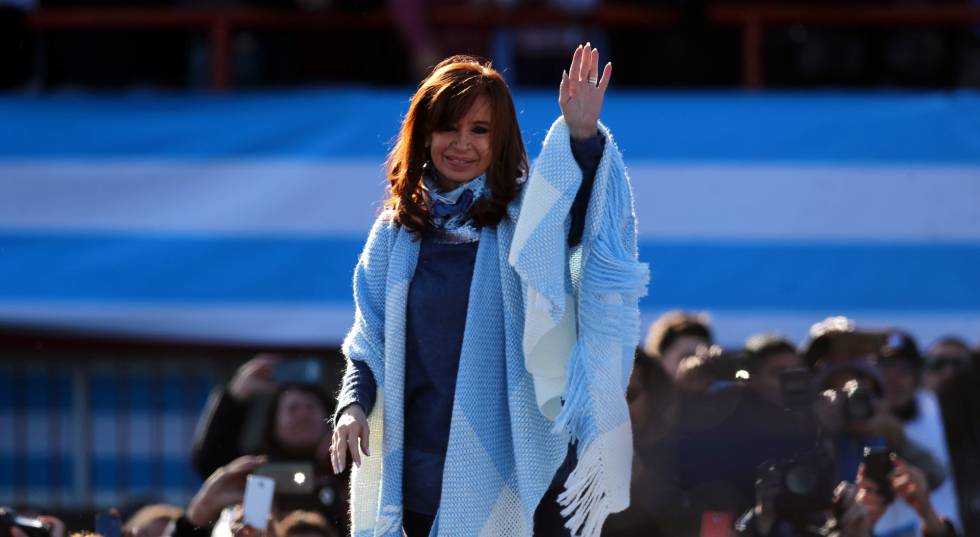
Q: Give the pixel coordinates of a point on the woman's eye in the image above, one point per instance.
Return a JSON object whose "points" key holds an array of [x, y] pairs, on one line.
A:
{"points": [[480, 130]]}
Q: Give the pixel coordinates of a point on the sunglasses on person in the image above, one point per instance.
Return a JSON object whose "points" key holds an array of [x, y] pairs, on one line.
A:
{"points": [[945, 362]]}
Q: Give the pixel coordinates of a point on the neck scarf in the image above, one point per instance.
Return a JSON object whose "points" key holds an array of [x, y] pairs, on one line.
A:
{"points": [[449, 211]]}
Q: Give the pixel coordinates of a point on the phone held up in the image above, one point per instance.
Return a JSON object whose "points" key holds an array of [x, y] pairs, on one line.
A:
{"points": [[877, 466], [257, 504]]}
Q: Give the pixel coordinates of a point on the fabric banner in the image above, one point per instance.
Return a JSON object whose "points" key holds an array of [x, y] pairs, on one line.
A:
{"points": [[238, 218]]}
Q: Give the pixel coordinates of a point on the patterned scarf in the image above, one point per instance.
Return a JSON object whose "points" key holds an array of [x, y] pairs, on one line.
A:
{"points": [[449, 212]]}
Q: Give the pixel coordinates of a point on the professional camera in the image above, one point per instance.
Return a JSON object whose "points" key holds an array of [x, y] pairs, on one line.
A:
{"points": [[859, 402], [797, 493], [799, 485], [31, 527]]}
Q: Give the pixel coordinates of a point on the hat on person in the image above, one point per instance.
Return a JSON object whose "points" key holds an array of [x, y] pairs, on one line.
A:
{"points": [[899, 348]]}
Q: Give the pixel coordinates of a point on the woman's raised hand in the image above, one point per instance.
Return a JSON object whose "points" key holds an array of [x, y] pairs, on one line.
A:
{"points": [[581, 92], [351, 434]]}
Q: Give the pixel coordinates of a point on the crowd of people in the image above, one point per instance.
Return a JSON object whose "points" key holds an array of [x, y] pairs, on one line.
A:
{"points": [[854, 433]]}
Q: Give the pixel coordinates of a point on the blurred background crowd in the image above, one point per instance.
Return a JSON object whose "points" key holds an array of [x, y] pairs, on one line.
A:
{"points": [[175, 262], [854, 431]]}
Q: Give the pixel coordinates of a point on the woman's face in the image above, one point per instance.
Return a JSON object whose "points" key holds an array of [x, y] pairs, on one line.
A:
{"points": [[463, 153], [300, 420]]}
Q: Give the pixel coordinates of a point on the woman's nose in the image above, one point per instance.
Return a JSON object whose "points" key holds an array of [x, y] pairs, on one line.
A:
{"points": [[461, 139]]}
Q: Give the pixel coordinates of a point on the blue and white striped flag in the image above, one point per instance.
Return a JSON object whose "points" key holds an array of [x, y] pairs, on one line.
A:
{"points": [[239, 218]]}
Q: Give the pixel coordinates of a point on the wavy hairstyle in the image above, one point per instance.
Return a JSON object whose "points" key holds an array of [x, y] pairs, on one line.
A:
{"points": [[441, 100]]}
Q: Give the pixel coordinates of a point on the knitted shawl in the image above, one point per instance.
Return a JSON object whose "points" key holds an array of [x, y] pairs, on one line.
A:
{"points": [[506, 441]]}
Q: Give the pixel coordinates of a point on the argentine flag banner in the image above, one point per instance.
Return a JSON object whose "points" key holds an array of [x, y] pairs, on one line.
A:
{"points": [[238, 218]]}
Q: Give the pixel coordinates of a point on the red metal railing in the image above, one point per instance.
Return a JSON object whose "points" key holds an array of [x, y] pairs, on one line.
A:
{"points": [[220, 24]]}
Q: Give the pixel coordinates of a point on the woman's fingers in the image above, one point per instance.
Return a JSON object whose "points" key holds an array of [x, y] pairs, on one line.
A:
{"points": [[365, 437], [563, 88], [575, 70], [586, 62], [606, 75], [355, 452], [340, 450], [346, 439], [593, 73]]}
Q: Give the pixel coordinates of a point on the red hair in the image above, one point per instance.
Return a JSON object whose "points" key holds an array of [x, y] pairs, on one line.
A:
{"points": [[441, 100]]}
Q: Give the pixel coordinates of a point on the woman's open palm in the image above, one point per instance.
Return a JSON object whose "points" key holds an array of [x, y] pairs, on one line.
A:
{"points": [[582, 91]]}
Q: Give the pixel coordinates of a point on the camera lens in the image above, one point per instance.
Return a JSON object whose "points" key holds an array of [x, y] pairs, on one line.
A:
{"points": [[801, 480]]}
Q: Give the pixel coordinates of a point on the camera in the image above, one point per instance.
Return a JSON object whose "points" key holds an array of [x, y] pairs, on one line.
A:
{"points": [[859, 402], [798, 492], [799, 485], [31, 527]]}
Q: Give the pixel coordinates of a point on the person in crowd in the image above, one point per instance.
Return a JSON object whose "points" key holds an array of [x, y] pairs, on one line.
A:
{"points": [[918, 410], [305, 524], [676, 335], [225, 487], [847, 517], [908, 484], [750, 420], [151, 520], [946, 357], [56, 527], [698, 372], [960, 403], [652, 414], [768, 356], [679, 471], [853, 413], [296, 428], [296, 423], [453, 323], [836, 341]]}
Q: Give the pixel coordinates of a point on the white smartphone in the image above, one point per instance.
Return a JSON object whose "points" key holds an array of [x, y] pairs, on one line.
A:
{"points": [[257, 504]]}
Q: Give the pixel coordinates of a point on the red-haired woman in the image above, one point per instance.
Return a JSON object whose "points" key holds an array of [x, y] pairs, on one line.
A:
{"points": [[436, 372]]}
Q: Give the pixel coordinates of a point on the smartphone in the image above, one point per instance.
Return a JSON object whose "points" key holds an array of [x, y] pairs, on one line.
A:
{"points": [[716, 524], [292, 478], [307, 370], [877, 466], [108, 524], [257, 504]]}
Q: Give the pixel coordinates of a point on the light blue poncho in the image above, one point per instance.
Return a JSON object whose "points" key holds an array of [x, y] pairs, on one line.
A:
{"points": [[543, 325]]}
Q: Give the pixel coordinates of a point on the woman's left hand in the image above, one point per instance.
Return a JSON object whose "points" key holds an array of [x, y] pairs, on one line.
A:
{"points": [[581, 92]]}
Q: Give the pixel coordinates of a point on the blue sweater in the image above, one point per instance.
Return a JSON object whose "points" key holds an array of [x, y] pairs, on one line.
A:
{"points": [[437, 303]]}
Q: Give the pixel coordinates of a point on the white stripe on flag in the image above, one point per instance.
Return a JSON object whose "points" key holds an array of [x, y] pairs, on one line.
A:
{"points": [[791, 201]]}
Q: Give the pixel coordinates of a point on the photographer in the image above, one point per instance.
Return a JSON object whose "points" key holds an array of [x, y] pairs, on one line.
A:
{"points": [[851, 409], [947, 357], [919, 413], [844, 516], [749, 419]]}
